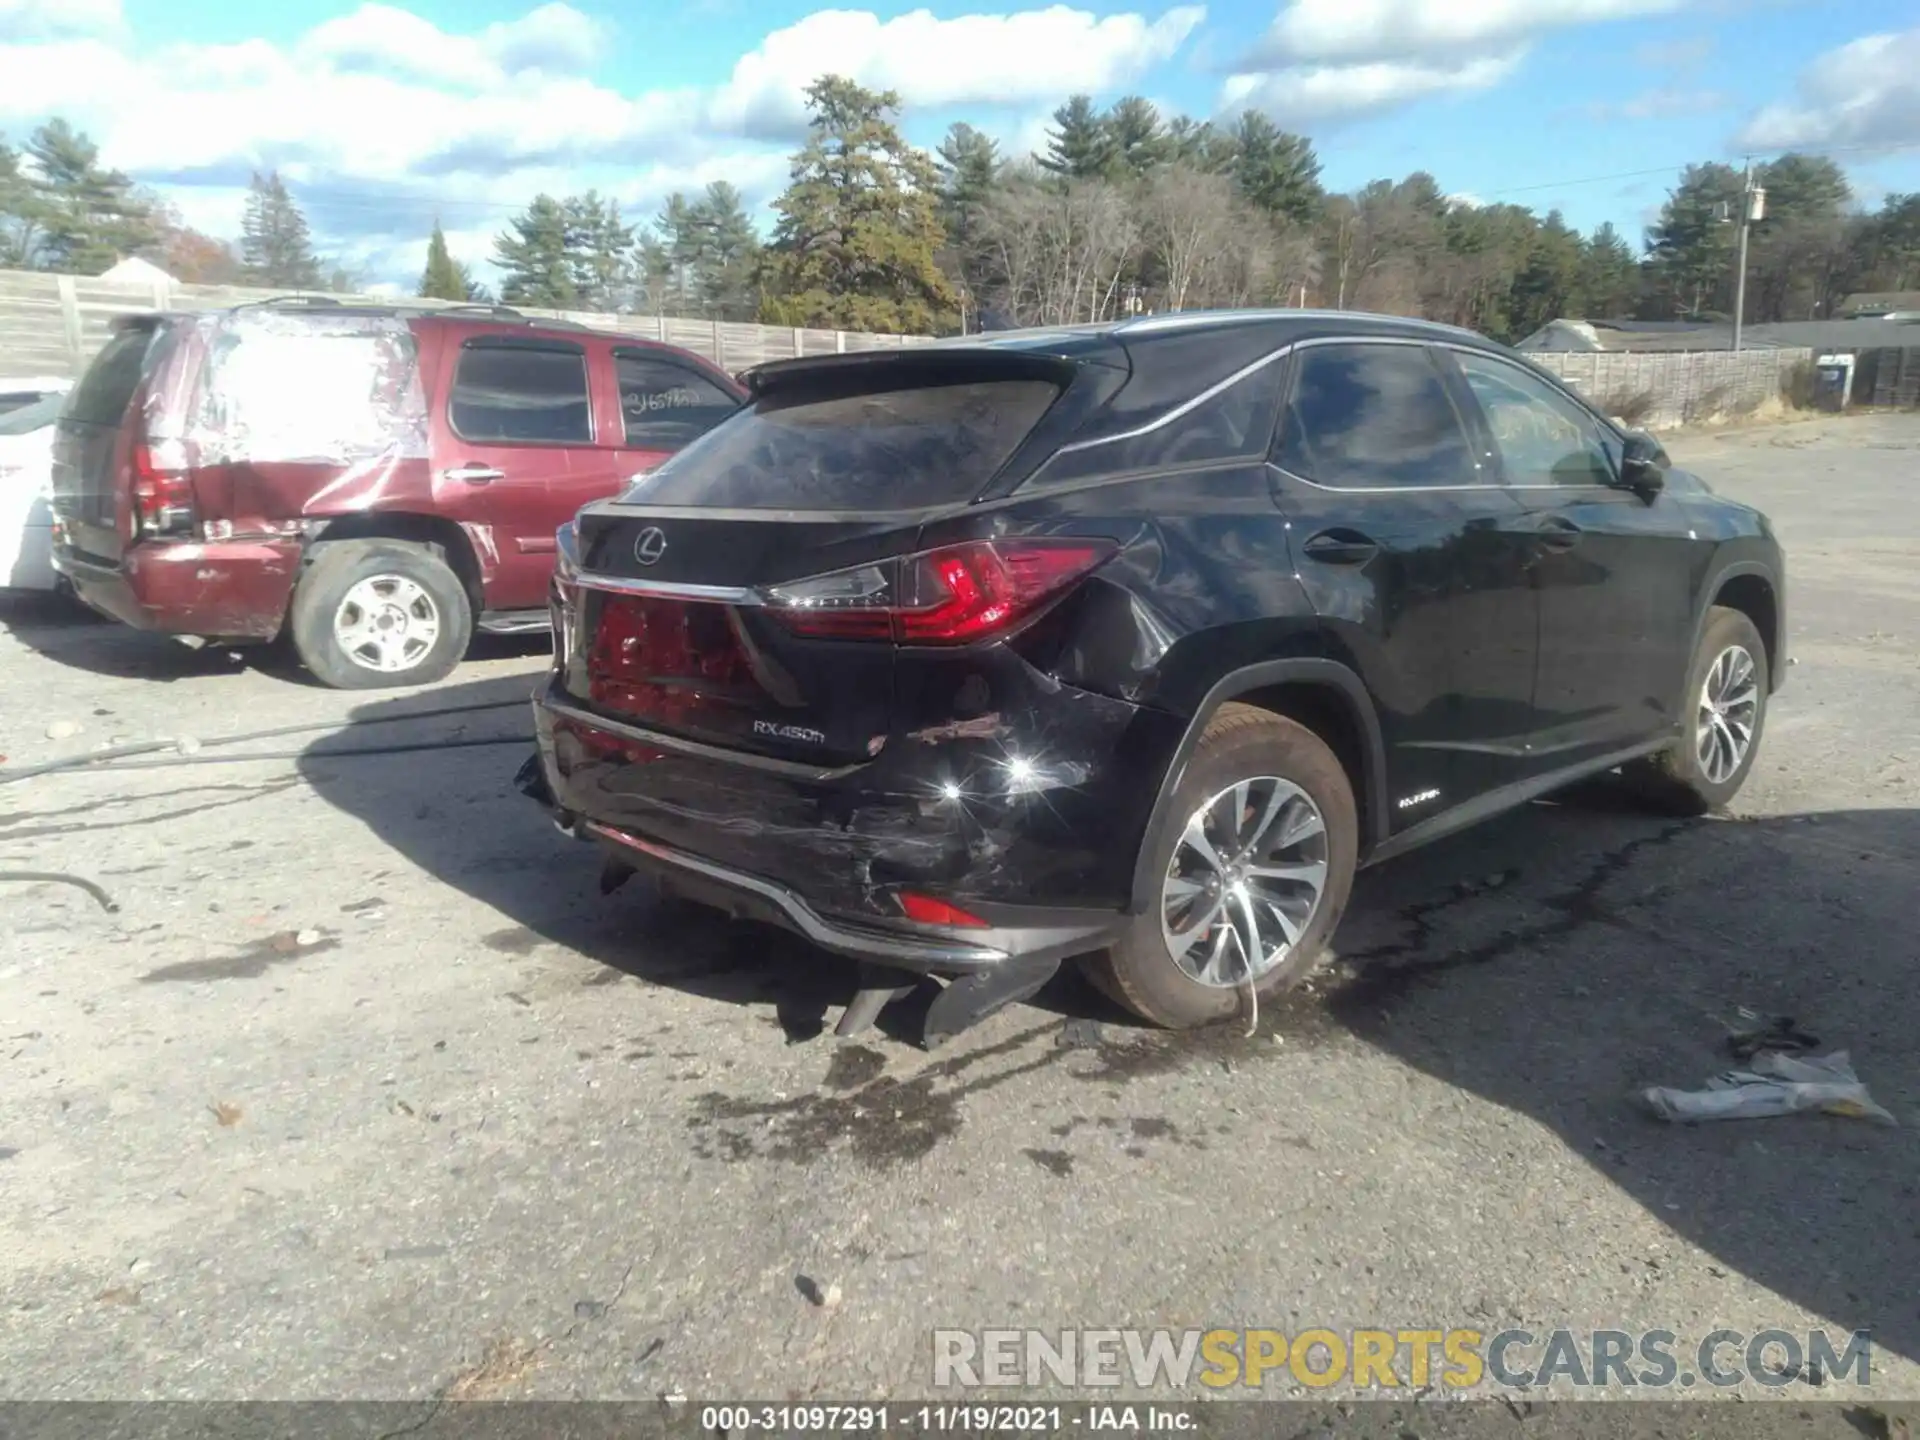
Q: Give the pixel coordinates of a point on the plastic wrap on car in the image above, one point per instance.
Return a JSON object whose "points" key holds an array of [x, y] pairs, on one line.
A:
{"points": [[294, 387]]}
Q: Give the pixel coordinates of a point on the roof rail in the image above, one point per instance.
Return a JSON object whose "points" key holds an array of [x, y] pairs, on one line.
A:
{"points": [[477, 307], [318, 302]]}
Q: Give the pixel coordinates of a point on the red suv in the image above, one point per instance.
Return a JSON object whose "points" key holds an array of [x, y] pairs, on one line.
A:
{"points": [[375, 483]]}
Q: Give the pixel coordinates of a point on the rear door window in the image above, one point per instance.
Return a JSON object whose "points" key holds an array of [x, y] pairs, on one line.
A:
{"points": [[1373, 417], [521, 394], [906, 449], [665, 404], [102, 395]]}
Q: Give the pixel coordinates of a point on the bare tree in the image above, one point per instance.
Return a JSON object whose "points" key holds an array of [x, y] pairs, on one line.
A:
{"points": [[1191, 225]]}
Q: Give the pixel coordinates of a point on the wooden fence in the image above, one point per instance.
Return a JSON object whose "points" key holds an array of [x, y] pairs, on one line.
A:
{"points": [[1666, 388], [53, 324]]}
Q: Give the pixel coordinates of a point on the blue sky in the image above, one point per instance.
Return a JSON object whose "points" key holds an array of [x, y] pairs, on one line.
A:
{"points": [[383, 116]]}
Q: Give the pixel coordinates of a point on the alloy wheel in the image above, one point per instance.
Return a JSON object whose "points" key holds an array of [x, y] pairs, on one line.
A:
{"points": [[1729, 710], [386, 623], [1244, 882]]}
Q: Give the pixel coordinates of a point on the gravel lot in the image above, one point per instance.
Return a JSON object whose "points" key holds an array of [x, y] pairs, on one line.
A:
{"points": [[364, 1090]]}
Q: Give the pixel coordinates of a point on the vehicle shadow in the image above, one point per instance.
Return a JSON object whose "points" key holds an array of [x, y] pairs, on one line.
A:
{"points": [[68, 633], [1551, 963]]}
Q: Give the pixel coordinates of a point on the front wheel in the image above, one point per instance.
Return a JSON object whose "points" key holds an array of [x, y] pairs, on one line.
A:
{"points": [[1721, 721], [369, 614], [1254, 865]]}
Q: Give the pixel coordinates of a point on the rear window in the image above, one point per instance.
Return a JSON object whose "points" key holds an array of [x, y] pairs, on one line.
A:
{"points": [[316, 389], [103, 392], [880, 450]]}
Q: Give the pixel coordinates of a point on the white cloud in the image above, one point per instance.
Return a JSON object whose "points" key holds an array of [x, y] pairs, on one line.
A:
{"points": [[53, 19], [386, 40], [1356, 31], [382, 120], [971, 59], [1299, 96], [1865, 93], [1332, 60]]}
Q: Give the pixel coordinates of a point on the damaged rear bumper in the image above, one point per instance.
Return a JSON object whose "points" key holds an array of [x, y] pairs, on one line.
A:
{"points": [[826, 854], [228, 590]]}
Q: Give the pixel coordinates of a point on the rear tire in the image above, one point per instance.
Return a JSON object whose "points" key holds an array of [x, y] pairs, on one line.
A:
{"points": [[372, 614], [1295, 787], [1722, 719]]}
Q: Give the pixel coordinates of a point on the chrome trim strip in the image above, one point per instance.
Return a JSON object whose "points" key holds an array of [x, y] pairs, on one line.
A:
{"points": [[1185, 407], [668, 589], [821, 932], [794, 768]]}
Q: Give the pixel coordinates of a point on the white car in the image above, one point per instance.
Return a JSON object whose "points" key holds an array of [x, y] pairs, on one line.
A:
{"points": [[26, 485], [18, 391]]}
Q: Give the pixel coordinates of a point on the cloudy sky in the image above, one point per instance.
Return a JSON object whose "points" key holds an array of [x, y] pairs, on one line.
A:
{"points": [[382, 116]]}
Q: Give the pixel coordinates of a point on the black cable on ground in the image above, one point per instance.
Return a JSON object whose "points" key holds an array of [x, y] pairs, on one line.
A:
{"points": [[60, 877], [342, 754]]}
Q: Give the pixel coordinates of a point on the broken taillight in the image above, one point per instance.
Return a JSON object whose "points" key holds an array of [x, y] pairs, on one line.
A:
{"points": [[926, 910], [162, 489], [955, 595]]}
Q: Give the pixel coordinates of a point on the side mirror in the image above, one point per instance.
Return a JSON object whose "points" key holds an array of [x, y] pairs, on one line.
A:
{"points": [[1643, 465]]}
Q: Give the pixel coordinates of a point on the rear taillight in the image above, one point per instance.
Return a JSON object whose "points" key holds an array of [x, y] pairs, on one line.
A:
{"points": [[951, 596], [162, 490]]}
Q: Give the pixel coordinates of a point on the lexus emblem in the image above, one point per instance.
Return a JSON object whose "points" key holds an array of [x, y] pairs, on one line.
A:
{"points": [[649, 545]]}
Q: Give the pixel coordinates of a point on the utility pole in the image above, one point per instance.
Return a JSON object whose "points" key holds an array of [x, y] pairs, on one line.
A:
{"points": [[1753, 206]]}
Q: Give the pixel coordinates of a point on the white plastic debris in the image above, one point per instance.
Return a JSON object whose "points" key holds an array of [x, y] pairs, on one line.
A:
{"points": [[1772, 1084]]}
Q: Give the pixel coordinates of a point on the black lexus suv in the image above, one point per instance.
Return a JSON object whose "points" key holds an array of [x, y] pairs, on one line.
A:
{"points": [[1130, 642]]}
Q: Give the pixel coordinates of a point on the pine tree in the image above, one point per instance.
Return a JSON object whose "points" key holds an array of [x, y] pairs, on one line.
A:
{"points": [[276, 248], [1277, 172], [536, 267], [599, 253], [730, 254], [1691, 244], [19, 211], [1138, 138], [1609, 276], [1080, 146], [859, 224], [1199, 146], [443, 279], [969, 165], [83, 218]]}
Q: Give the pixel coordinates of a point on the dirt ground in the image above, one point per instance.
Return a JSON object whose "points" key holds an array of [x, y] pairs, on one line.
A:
{"points": [[347, 1082]]}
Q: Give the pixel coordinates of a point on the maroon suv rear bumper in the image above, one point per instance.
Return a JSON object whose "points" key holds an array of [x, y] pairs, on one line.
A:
{"points": [[231, 590]]}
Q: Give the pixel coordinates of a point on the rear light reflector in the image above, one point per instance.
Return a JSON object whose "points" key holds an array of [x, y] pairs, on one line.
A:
{"points": [[952, 596], [925, 910]]}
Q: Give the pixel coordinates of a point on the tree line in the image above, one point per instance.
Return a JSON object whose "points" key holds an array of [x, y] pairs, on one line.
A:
{"points": [[1127, 210], [62, 210]]}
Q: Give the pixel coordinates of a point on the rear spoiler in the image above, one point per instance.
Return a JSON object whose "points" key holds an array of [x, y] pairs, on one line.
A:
{"points": [[930, 364]]}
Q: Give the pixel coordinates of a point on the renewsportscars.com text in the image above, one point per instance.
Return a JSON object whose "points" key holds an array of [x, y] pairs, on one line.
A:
{"points": [[1409, 1359]]}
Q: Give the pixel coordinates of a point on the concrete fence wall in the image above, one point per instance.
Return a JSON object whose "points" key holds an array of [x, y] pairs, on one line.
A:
{"points": [[53, 324], [1664, 389]]}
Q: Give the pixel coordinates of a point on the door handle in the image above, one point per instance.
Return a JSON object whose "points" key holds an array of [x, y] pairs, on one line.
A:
{"points": [[1556, 532], [1340, 547], [474, 474]]}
